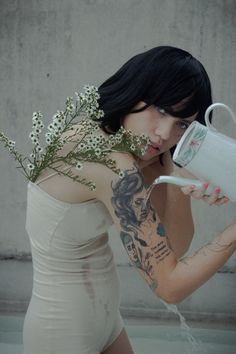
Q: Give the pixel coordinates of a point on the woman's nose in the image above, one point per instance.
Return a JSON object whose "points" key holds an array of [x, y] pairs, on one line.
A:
{"points": [[164, 128]]}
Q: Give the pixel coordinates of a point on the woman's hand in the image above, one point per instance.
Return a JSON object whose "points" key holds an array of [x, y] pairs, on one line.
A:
{"points": [[215, 198]]}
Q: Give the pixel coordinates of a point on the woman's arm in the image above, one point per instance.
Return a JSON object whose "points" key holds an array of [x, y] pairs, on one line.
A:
{"points": [[203, 264], [147, 244]]}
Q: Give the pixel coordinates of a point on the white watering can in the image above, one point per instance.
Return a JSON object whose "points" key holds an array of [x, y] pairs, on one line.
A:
{"points": [[208, 155]]}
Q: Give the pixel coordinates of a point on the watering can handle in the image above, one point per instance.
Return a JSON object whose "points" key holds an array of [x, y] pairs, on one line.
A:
{"points": [[211, 107]]}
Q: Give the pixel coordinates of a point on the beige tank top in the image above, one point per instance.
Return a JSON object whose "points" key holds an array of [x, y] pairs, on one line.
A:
{"points": [[67, 235]]}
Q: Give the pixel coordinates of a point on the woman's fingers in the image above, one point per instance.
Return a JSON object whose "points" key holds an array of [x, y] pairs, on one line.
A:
{"points": [[215, 198], [195, 192], [221, 201]]}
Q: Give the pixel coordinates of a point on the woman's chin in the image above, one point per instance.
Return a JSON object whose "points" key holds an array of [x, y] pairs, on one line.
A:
{"points": [[151, 154], [145, 161]]}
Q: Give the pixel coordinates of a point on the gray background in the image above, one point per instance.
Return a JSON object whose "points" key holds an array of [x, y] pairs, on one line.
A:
{"points": [[49, 50]]}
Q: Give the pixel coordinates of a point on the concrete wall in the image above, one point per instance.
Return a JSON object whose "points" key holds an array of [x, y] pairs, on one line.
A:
{"points": [[51, 48]]}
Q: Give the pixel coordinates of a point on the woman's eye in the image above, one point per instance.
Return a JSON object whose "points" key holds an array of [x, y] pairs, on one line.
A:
{"points": [[160, 110], [183, 125]]}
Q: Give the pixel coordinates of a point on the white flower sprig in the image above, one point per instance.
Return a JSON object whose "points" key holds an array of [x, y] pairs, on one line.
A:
{"points": [[89, 144], [96, 147]]}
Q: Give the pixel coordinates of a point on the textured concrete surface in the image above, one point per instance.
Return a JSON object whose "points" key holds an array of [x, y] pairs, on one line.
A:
{"points": [[49, 49]]}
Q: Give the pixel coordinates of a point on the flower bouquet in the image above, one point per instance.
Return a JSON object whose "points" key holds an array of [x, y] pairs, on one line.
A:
{"points": [[81, 116]]}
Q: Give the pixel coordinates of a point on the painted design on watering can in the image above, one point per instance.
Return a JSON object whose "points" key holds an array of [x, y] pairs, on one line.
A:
{"points": [[193, 146]]}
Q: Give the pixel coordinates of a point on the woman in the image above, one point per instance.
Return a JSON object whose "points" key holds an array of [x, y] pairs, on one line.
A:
{"points": [[75, 302]]}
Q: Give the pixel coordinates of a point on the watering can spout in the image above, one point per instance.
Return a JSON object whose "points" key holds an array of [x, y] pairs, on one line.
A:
{"points": [[179, 181]]}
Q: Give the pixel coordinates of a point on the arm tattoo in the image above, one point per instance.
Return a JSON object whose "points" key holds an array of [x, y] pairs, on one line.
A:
{"points": [[215, 246], [137, 218]]}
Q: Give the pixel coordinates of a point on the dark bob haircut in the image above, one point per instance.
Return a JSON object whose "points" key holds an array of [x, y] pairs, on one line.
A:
{"points": [[165, 76]]}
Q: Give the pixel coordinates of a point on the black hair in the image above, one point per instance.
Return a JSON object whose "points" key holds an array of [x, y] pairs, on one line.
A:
{"points": [[168, 77]]}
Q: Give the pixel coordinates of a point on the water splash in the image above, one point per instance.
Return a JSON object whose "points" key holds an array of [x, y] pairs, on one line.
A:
{"points": [[196, 345]]}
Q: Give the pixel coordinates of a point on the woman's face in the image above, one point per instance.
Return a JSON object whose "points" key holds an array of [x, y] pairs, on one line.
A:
{"points": [[164, 131]]}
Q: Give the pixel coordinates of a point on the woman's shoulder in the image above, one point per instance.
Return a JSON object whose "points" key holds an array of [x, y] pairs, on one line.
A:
{"points": [[95, 145], [103, 173], [98, 158]]}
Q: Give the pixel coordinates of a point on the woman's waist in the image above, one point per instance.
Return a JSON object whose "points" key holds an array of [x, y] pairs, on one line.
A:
{"points": [[49, 265], [63, 284], [60, 246]]}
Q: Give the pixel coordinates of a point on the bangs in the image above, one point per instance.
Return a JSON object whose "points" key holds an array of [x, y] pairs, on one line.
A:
{"points": [[184, 101], [185, 107]]}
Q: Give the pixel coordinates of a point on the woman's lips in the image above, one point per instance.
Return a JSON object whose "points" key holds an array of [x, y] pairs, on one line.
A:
{"points": [[155, 145], [152, 148]]}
